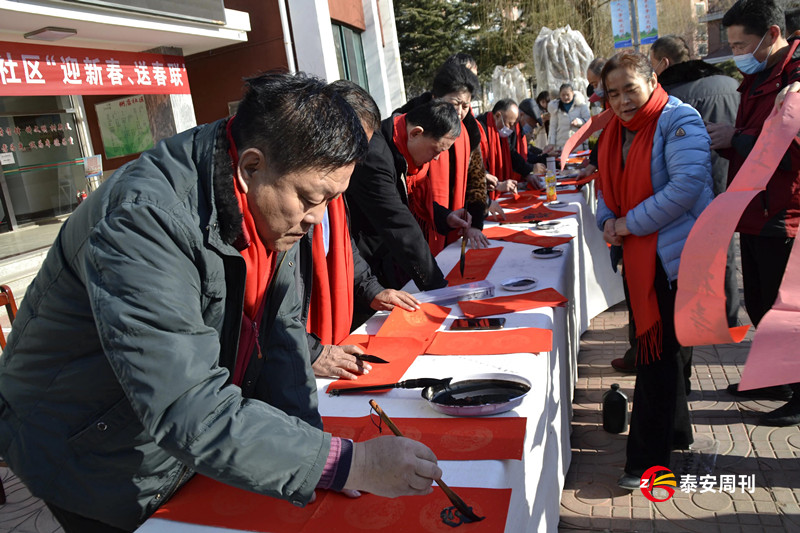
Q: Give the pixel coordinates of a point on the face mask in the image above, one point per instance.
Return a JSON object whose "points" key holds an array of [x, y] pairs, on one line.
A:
{"points": [[505, 131], [599, 91], [748, 63], [527, 129]]}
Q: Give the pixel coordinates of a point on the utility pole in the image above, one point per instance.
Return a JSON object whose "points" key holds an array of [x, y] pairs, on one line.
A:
{"points": [[634, 24]]}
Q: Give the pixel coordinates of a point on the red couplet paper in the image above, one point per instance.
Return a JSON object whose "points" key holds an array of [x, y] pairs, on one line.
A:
{"points": [[532, 214], [451, 439], [509, 304], [700, 301], [595, 123], [518, 340], [419, 324], [399, 351], [520, 202], [773, 355], [204, 501], [478, 265], [523, 237]]}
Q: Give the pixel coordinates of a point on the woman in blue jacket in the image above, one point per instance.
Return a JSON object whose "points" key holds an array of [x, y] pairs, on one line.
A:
{"points": [[655, 167]]}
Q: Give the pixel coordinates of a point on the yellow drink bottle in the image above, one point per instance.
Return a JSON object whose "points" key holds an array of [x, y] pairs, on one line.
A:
{"points": [[550, 180]]}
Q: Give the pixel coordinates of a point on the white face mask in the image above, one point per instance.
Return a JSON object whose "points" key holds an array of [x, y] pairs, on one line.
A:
{"points": [[505, 131]]}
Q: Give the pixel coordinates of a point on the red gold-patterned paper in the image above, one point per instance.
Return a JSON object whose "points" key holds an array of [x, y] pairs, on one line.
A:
{"points": [[204, 501], [508, 304], [530, 215], [517, 340], [499, 233], [399, 351], [451, 439], [479, 263]]}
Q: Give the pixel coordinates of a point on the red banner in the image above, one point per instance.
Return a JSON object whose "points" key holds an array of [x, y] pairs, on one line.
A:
{"points": [[37, 70]]}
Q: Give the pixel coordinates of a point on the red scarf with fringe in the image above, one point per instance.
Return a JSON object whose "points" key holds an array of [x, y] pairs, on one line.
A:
{"points": [[440, 173], [625, 187], [331, 312], [418, 183], [260, 263]]}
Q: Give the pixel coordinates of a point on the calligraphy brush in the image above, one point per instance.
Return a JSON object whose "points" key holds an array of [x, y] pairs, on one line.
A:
{"points": [[463, 508]]}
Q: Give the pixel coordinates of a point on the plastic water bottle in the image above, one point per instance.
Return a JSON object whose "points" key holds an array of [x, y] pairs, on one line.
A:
{"points": [[615, 410], [550, 180]]}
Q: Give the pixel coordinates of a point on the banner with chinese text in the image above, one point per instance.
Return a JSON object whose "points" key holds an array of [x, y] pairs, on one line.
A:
{"points": [[648, 21], [39, 70], [621, 24]]}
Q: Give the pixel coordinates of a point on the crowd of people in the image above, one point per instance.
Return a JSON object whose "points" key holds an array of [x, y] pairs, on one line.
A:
{"points": [[186, 308]]}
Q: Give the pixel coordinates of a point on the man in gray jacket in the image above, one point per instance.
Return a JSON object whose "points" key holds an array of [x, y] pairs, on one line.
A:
{"points": [[716, 97], [116, 383]]}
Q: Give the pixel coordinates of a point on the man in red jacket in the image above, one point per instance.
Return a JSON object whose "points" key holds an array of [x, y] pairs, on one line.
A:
{"points": [[769, 224]]}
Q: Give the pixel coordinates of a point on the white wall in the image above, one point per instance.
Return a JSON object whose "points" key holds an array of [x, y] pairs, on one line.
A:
{"points": [[391, 55], [313, 38]]}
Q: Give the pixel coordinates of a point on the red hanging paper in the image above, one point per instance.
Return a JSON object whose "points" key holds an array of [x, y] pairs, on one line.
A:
{"points": [[509, 304], [518, 340], [451, 439], [204, 501], [479, 263]]}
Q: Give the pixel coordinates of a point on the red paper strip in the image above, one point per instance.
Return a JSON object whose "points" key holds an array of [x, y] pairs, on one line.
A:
{"points": [[357, 339], [509, 304], [478, 265], [521, 202], [773, 355], [419, 324], [530, 215], [451, 439], [595, 123], [399, 351], [524, 237], [700, 301], [204, 501], [518, 340]]}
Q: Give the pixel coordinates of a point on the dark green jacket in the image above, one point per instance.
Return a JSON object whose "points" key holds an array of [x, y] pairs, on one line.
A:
{"points": [[115, 384]]}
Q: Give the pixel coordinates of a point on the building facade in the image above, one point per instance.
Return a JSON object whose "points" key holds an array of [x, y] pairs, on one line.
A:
{"points": [[87, 85]]}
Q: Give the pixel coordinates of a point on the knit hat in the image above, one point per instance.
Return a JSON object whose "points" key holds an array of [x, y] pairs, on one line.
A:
{"points": [[529, 107]]}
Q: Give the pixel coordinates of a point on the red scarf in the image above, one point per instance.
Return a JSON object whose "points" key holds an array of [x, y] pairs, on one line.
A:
{"points": [[522, 142], [496, 152], [331, 312], [260, 263], [623, 189], [418, 183], [440, 174]]}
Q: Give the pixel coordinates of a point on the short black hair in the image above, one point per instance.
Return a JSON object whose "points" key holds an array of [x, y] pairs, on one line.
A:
{"points": [[566, 86], [299, 122], [503, 105], [673, 47], [361, 102], [451, 78], [437, 119], [463, 59], [756, 16]]}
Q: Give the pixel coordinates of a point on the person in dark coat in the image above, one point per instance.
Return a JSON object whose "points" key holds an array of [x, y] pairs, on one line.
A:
{"points": [[716, 97], [769, 224], [389, 184]]}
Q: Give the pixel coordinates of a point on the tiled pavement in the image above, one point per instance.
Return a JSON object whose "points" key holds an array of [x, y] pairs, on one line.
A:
{"points": [[591, 500]]}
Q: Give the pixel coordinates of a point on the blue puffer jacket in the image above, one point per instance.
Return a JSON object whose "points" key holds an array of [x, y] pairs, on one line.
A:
{"points": [[680, 170]]}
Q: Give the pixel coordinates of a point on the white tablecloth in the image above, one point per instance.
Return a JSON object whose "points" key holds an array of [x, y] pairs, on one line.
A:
{"points": [[583, 274]]}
